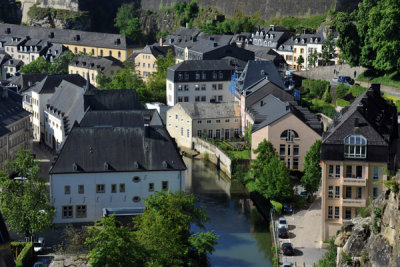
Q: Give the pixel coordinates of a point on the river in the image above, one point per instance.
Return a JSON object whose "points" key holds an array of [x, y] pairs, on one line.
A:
{"points": [[244, 239]]}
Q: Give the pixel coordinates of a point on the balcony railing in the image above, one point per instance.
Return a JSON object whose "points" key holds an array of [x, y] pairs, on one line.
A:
{"points": [[350, 202], [354, 181]]}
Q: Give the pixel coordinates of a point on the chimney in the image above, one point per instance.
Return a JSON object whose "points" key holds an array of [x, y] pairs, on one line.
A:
{"points": [[87, 87], [304, 31], [161, 41], [356, 123], [376, 88], [4, 93], [272, 27], [146, 130], [187, 25]]}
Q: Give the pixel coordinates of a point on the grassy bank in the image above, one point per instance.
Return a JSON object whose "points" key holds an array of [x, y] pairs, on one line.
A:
{"points": [[391, 79], [294, 23]]}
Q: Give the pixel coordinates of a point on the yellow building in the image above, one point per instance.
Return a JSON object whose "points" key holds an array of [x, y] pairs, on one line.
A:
{"points": [[90, 66], [145, 59], [354, 152]]}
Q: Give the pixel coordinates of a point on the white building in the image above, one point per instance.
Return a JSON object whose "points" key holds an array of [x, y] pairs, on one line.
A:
{"points": [[110, 163], [200, 81]]}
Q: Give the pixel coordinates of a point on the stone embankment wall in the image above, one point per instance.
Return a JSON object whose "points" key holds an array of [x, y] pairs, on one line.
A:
{"points": [[215, 155], [327, 72]]}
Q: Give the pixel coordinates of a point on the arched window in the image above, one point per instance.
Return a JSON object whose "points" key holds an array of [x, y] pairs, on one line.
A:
{"points": [[355, 146], [289, 135]]}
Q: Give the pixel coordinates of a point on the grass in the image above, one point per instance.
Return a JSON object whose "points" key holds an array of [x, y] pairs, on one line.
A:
{"points": [[390, 79], [293, 23], [342, 103], [244, 154], [394, 99]]}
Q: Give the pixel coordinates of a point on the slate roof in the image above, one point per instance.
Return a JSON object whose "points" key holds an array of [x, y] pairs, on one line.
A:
{"points": [[202, 65], [111, 99], [11, 109], [55, 51], [51, 81], [95, 63], [62, 36], [182, 34], [13, 63], [255, 71], [199, 110], [23, 80], [377, 120], [155, 49], [122, 118], [94, 144]]}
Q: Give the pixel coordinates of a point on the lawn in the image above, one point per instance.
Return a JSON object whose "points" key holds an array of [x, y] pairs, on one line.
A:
{"points": [[392, 79], [244, 154], [293, 23]]}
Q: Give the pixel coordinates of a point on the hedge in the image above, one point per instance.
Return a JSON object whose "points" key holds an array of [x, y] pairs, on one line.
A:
{"points": [[342, 103], [315, 88], [25, 257], [277, 206], [342, 90], [357, 90]]}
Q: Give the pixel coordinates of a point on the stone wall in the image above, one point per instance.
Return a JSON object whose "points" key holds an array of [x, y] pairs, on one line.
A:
{"points": [[216, 155], [327, 72], [72, 5]]}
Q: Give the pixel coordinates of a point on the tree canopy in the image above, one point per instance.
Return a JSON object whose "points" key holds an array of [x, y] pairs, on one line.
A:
{"points": [[312, 170], [25, 203], [328, 49], [128, 23], [40, 65]]}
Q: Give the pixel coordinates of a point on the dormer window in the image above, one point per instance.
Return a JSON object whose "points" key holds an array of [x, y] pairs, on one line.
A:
{"points": [[355, 146], [302, 41], [296, 41]]}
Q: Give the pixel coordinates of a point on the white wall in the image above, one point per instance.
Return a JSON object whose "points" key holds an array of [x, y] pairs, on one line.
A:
{"points": [[95, 202]]}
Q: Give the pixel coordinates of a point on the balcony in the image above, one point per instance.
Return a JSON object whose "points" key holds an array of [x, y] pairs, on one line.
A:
{"points": [[353, 182], [356, 203]]}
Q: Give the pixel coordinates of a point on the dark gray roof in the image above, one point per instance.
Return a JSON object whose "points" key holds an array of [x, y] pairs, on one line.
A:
{"points": [[199, 110], [155, 49], [112, 99], [263, 89], [95, 63], [123, 118], [11, 109], [3, 58], [203, 65], [25, 81], [13, 63], [106, 148], [182, 34], [51, 81], [61, 36], [377, 120], [255, 71], [54, 51]]}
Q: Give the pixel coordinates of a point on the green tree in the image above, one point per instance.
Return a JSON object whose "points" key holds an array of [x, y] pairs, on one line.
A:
{"points": [[164, 230], [265, 152], [156, 86], [313, 58], [312, 169], [349, 41], [25, 203], [327, 96], [300, 60], [39, 65], [342, 90], [328, 49], [111, 244], [60, 64], [127, 21]]}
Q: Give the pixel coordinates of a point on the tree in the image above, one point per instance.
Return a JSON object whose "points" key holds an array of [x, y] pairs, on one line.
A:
{"points": [[312, 169], [164, 230], [313, 58], [25, 203], [349, 41], [60, 64], [328, 49], [127, 20], [39, 65], [156, 86], [111, 244], [265, 152], [300, 60], [327, 96]]}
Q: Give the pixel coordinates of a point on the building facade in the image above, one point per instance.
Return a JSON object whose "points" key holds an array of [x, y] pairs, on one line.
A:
{"points": [[355, 150], [219, 121]]}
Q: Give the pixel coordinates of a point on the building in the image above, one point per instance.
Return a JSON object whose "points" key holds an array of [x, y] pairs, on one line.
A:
{"points": [[271, 37], [88, 66], [15, 130], [30, 49], [200, 81], [23, 82], [3, 59], [218, 121], [291, 129], [11, 67], [38, 96], [145, 59], [110, 163], [361, 142], [183, 33], [94, 43], [126, 99]]}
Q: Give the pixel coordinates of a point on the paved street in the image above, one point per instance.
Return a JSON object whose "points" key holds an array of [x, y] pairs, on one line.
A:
{"points": [[305, 235], [44, 156]]}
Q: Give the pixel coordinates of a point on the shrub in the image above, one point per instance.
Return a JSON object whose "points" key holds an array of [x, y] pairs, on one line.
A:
{"points": [[342, 90], [327, 96], [357, 90], [342, 103], [316, 88], [25, 257], [364, 211], [277, 206]]}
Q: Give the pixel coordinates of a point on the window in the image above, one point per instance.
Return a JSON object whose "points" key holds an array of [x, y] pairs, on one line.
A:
{"points": [[349, 171], [203, 87], [187, 133], [214, 76], [119, 54], [337, 212], [182, 132], [288, 163], [289, 135], [295, 163], [197, 99], [227, 134], [136, 199], [355, 146], [220, 98], [359, 193], [186, 99], [220, 75], [330, 171], [208, 121], [196, 87], [337, 191], [101, 52], [100, 188], [296, 150], [203, 99], [348, 192], [199, 133], [67, 212], [347, 215], [186, 87], [210, 134], [236, 132], [197, 76], [180, 76], [214, 86], [151, 187], [220, 86], [113, 188], [337, 175], [80, 211], [288, 150], [375, 192], [330, 192], [110, 53], [121, 188], [67, 190], [186, 76], [358, 171], [282, 149], [218, 134], [180, 99], [136, 179], [227, 120], [376, 173], [81, 189], [330, 212], [164, 185], [203, 76]]}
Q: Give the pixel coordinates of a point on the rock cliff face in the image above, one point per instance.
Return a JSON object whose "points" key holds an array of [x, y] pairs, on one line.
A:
{"points": [[9, 12], [373, 241]]}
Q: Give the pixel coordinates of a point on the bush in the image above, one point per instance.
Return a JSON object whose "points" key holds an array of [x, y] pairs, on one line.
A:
{"points": [[342, 103], [364, 212], [277, 206], [329, 258], [327, 96], [25, 257], [342, 90], [316, 88], [296, 173], [357, 90]]}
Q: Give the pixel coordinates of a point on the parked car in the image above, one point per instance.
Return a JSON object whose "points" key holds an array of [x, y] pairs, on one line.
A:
{"points": [[282, 223], [40, 264], [303, 193], [345, 80], [287, 249], [287, 208], [287, 264], [283, 233], [38, 246]]}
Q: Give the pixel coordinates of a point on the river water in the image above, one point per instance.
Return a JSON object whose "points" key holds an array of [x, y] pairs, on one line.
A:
{"points": [[244, 239]]}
